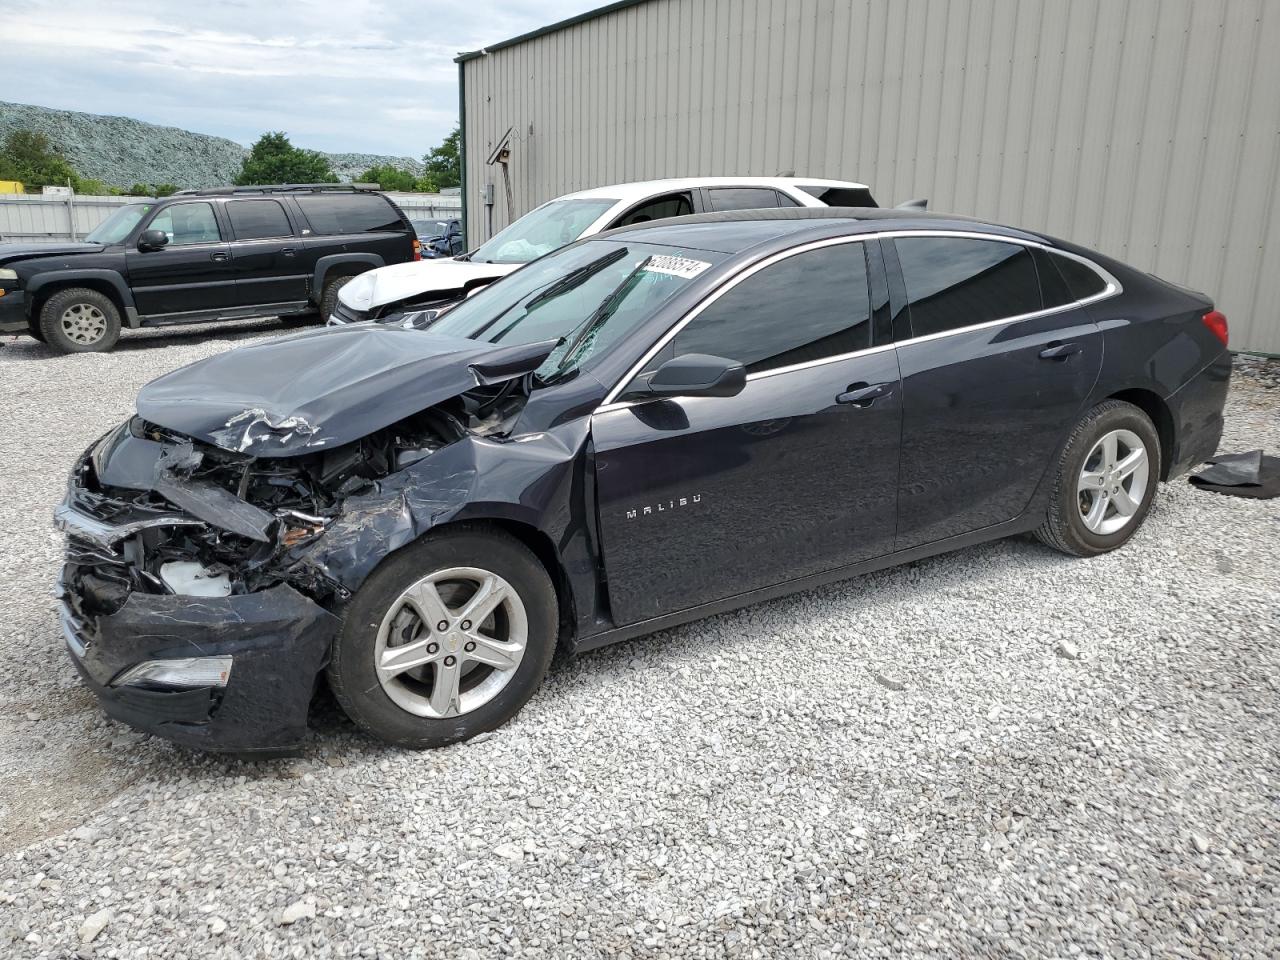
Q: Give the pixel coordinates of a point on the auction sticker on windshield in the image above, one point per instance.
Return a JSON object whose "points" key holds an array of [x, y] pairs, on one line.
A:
{"points": [[675, 266]]}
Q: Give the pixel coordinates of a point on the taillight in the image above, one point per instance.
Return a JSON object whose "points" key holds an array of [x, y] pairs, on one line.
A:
{"points": [[1216, 322], [417, 252]]}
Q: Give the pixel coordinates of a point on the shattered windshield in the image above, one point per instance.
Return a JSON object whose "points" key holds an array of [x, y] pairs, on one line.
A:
{"points": [[117, 226], [586, 297], [550, 227]]}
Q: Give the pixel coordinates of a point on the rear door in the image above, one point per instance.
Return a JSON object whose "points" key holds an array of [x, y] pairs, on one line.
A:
{"points": [[710, 497], [994, 375], [270, 263], [193, 273]]}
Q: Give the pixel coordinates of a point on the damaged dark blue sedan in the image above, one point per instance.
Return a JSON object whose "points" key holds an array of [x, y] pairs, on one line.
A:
{"points": [[647, 427]]}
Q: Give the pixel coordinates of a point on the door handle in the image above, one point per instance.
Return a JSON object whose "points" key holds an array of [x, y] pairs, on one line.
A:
{"points": [[864, 394], [288, 251], [1060, 351], [220, 257]]}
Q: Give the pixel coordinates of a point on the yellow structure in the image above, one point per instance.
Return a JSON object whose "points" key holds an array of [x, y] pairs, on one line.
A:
{"points": [[11, 186]]}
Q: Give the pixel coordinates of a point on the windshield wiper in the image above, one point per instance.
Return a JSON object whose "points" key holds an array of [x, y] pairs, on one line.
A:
{"points": [[601, 314], [576, 278]]}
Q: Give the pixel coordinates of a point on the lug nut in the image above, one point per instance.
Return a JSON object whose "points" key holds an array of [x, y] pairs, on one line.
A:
{"points": [[432, 647], [442, 626], [469, 647], [449, 661], [466, 624]]}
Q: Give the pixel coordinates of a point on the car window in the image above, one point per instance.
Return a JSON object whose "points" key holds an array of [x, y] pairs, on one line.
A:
{"points": [[955, 282], [786, 200], [258, 219], [1053, 289], [349, 213], [807, 307], [741, 198], [659, 208], [549, 227], [187, 223], [840, 196], [1082, 280], [118, 226]]}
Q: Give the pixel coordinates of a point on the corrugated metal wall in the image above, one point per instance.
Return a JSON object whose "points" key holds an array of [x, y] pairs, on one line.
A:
{"points": [[1148, 129]]}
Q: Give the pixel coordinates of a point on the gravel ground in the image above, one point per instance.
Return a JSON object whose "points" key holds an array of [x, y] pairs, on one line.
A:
{"points": [[1001, 752]]}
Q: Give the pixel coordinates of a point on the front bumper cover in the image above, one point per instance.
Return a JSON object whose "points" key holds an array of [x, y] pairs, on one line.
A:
{"points": [[278, 640]]}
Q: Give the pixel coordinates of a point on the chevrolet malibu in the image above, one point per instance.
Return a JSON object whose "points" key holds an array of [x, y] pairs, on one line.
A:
{"points": [[646, 427]]}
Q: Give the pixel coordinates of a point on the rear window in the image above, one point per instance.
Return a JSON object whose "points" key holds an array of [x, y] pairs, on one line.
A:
{"points": [[350, 213], [841, 196]]}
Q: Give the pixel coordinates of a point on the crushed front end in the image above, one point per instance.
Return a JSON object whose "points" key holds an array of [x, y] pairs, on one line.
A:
{"points": [[190, 602]]}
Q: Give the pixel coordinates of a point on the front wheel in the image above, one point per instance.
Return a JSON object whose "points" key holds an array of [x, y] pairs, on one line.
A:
{"points": [[1106, 481], [329, 298], [448, 638], [80, 320]]}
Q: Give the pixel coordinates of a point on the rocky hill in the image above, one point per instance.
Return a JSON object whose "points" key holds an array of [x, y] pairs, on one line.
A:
{"points": [[121, 151]]}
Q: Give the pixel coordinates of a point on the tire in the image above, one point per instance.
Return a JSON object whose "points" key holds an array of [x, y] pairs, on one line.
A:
{"points": [[1095, 506], [329, 299], [410, 708], [79, 320]]}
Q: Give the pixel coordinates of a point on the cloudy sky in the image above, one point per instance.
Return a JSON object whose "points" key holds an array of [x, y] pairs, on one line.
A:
{"points": [[337, 75]]}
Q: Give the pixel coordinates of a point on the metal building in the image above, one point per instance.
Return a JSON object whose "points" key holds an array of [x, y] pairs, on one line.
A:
{"points": [[1148, 129]]}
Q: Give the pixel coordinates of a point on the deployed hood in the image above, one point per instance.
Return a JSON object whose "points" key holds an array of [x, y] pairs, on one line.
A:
{"points": [[25, 251], [323, 388], [377, 288]]}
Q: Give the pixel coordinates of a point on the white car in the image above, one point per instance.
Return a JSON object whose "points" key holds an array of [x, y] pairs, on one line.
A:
{"points": [[427, 284]]}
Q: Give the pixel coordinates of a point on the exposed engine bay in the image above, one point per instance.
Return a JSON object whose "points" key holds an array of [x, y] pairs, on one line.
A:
{"points": [[208, 521]]}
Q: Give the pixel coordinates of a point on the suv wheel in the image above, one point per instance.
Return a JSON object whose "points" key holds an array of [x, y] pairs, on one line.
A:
{"points": [[1106, 481], [448, 638], [80, 320], [329, 299]]}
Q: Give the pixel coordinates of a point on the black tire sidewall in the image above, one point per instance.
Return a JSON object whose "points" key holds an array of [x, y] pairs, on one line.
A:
{"points": [[1116, 416], [351, 672], [58, 303], [329, 299]]}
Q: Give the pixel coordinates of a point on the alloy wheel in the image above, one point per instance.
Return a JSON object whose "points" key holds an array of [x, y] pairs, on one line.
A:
{"points": [[83, 323], [1113, 482], [451, 642]]}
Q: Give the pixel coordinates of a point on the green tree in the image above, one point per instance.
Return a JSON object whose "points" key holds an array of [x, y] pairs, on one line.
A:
{"points": [[31, 157], [273, 159], [388, 177], [442, 166]]}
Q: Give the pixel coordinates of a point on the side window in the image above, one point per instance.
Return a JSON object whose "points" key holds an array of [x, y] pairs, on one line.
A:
{"points": [[1082, 280], [659, 208], [807, 307], [258, 219], [841, 196], [784, 200], [349, 213], [1052, 287], [187, 223], [741, 198], [956, 282]]}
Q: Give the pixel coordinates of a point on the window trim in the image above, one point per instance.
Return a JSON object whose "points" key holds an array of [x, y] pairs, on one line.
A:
{"points": [[1113, 288]]}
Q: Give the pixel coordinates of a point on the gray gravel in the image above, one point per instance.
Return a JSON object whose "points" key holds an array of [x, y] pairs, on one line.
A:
{"points": [[1002, 752]]}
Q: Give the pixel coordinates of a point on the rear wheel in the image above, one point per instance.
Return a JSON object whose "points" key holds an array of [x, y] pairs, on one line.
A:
{"points": [[447, 639], [80, 320], [1105, 483], [329, 299]]}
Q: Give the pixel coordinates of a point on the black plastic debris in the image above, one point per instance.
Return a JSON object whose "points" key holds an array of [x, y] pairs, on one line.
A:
{"points": [[1249, 474]]}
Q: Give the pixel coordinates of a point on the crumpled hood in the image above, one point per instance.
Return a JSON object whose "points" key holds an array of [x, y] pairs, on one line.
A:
{"points": [[377, 288], [323, 388], [27, 251]]}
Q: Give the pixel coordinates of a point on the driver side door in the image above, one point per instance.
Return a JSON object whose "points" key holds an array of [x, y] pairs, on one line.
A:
{"points": [[192, 273], [703, 498]]}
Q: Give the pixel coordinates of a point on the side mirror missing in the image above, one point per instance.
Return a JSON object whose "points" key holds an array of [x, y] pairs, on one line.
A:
{"points": [[153, 240], [698, 375]]}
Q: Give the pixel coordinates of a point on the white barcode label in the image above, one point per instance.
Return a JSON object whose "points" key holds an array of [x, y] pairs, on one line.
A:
{"points": [[676, 266]]}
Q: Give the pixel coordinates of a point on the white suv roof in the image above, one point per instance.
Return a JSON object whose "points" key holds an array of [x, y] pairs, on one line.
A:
{"points": [[646, 188]]}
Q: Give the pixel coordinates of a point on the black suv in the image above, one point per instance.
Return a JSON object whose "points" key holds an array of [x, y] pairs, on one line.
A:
{"points": [[201, 255]]}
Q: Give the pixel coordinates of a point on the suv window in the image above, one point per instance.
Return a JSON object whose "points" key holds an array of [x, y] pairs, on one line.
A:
{"points": [[659, 208], [957, 282], [349, 213], [741, 198], [258, 219], [841, 196], [810, 306], [187, 223]]}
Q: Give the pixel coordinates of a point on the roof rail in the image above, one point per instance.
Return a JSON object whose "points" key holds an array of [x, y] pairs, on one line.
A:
{"points": [[278, 188]]}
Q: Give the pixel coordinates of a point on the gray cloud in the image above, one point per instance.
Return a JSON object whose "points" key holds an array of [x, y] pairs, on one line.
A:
{"points": [[356, 75]]}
